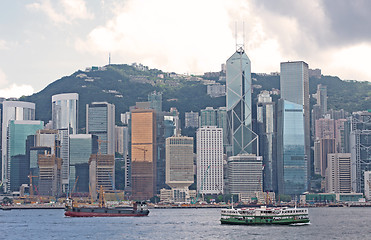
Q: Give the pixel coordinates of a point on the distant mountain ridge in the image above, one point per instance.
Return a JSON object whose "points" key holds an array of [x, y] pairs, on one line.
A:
{"points": [[124, 85]]}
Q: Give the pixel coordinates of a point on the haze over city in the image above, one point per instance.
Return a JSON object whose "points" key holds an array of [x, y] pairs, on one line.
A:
{"points": [[43, 40]]}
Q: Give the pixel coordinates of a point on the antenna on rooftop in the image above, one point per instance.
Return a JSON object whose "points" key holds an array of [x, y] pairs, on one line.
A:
{"points": [[240, 46], [109, 59]]}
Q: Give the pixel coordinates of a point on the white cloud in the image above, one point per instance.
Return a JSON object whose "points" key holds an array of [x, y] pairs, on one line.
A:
{"points": [[16, 91], [171, 35], [13, 90], [3, 45], [73, 9]]}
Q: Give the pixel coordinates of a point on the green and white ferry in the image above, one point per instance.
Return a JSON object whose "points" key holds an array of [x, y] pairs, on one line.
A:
{"points": [[265, 215]]}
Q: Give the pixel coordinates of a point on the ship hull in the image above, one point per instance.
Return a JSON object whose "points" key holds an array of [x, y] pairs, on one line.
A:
{"points": [[258, 221], [104, 212]]}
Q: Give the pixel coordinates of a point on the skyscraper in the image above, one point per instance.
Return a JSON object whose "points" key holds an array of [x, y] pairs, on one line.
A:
{"points": [[267, 139], [65, 120], [210, 160], [360, 145], [293, 148], [238, 97], [12, 110], [294, 81], [292, 172], [18, 131], [179, 166], [143, 153], [244, 174], [100, 121], [82, 146], [338, 178]]}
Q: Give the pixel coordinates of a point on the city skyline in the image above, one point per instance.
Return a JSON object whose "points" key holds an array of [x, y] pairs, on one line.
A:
{"points": [[102, 28]]}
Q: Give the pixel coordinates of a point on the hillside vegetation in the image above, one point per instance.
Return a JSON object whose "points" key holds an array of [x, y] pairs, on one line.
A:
{"points": [[124, 85]]}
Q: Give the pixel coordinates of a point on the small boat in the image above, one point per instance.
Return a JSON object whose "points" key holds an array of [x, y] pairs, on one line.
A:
{"points": [[264, 215], [136, 209]]}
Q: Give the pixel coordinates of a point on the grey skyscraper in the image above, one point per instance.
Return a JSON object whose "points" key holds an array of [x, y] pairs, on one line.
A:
{"points": [[65, 120], [238, 82], [100, 121], [267, 138], [293, 149]]}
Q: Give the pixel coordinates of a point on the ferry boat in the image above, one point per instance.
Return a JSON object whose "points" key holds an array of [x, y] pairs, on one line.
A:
{"points": [[264, 215]]}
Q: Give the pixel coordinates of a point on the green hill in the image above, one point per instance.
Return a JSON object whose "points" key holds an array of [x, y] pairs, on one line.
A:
{"points": [[124, 85]]}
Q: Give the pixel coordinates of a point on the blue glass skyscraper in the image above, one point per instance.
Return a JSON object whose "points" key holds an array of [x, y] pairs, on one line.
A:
{"points": [[238, 81]]}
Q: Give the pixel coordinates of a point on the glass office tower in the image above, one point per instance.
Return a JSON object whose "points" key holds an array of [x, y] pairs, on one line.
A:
{"points": [[291, 161], [100, 121], [238, 81], [82, 146], [18, 131], [12, 110]]}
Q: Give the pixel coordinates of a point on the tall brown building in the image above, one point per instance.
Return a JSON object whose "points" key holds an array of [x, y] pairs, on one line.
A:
{"points": [[50, 175], [101, 173], [143, 153]]}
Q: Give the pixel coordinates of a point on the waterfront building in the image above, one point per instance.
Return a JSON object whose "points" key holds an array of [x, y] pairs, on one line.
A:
{"points": [[179, 166], [49, 178], [244, 173], [100, 121], [238, 99], [18, 131], [101, 173], [294, 84], [292, 174], [360, 146], [191, 119], [82, 146], [210, 160], [338, 178], [367, 180], [65, 120], [143, 153], [12, 110], [267, 139]]}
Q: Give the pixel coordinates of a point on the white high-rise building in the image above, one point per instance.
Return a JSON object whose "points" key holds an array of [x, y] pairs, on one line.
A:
{"points": [[12, 110], [338, 173], [65, 120], [210, 160], [367, 189]]}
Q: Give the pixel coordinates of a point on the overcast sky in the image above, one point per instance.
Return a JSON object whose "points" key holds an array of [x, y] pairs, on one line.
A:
{"points": [[44, 40]]}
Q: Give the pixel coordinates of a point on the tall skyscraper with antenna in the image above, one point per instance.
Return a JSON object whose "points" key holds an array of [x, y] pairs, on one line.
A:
{"points": [[238, 82]]}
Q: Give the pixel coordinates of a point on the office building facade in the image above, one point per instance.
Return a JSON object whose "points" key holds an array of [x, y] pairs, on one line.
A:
{"points": [[65, 120], [238, 99], [12, 110], [143, 153], [100, 121], [294, 84], [210, 160]]}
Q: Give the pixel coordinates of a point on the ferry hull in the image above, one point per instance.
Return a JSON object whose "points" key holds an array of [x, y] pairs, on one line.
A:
{"points": [[233, 221], [92, 214]]}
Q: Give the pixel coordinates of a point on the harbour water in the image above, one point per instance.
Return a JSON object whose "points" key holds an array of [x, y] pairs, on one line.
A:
{"points": [[326, 223]]}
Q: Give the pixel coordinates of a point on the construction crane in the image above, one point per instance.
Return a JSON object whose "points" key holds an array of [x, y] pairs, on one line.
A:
{"points": [[201, 187], [74, 185], [114, 188], [31, 185], [144, 152]]}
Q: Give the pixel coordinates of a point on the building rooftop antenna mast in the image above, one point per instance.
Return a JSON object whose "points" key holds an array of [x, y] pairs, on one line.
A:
{"points": [[240, 46]]}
